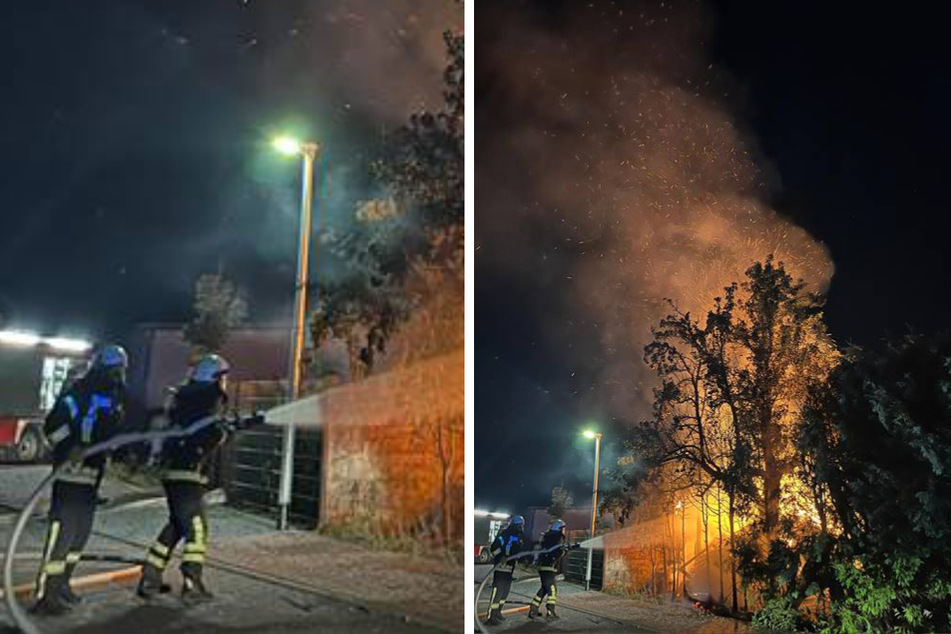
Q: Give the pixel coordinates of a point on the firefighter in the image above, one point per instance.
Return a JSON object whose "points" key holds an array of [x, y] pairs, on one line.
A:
{"points": [[183, 461], [548, 568], [86, 413], [509, 542]]}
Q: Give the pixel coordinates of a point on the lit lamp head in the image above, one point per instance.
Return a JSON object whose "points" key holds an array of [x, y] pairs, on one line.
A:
{"points": [[287, 145], [591, 435]]}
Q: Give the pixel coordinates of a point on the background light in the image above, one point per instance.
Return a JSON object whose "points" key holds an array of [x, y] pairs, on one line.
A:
{"points": [[71, 345], [286, 145], [17, 338], [590, 435], [481, 513]]}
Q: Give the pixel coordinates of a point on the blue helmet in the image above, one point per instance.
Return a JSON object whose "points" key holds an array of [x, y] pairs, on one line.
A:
{"points": [[557, 525], [110, 357], [210, 368], [517, 520]]}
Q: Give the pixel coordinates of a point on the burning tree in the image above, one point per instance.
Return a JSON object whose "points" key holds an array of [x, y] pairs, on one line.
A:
{"points": [[730, 391]]}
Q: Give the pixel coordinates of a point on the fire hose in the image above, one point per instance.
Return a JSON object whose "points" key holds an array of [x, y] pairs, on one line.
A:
{"points": [[20, 617], [530, 553]]}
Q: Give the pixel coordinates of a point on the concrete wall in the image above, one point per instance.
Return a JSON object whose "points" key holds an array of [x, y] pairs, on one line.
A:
{"points": [[393, 450]]}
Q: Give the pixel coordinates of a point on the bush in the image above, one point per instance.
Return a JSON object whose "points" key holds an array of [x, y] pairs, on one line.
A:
{"points": [[778, 614]]}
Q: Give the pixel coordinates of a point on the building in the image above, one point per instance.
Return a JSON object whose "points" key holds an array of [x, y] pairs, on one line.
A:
{"points": [[578, 520], [159, 356]]}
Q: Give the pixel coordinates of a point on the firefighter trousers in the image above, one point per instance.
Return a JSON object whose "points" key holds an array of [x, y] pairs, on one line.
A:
{"points": [[186, 521], [547, 575], [501, 584], [72, 509]]}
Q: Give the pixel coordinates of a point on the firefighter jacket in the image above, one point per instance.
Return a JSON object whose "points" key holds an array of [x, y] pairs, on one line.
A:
{"points": [[184, 459], [87, 413], [510, 541], [549, 560]]}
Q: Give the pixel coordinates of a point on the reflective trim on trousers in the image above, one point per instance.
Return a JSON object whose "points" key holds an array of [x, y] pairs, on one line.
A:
{"points": [[159, 562], [51, 538]]}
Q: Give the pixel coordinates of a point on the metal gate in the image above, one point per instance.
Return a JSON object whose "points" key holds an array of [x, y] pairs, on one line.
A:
{"points": [[576, 565], [251, 466], [252, 474]]}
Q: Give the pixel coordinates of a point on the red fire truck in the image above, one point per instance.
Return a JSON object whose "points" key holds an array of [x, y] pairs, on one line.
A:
{"points": [[33, 370], [487, 526]]}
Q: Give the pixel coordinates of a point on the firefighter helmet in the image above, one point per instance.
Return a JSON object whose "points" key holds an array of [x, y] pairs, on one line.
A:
{"points": [[110, 357], [517, 520], [557, 525], [209, 369]]}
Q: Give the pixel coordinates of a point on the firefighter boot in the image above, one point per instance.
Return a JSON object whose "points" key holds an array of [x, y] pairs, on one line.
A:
{"points": [[495, 617], [533, 612], [551, 613], [151, 582], [68, 595], [53, 602], [194, 590]]}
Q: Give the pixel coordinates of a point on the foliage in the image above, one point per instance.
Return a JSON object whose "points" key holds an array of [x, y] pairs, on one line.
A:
{"points": [[405, 253], [219, 307], [424, 163], [778, 615], [561, 501], [879, 439], [726, 412]]}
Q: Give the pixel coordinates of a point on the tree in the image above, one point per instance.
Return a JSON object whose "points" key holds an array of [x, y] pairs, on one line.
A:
{"points": [[730, 390], [405, 254], [219, 307], [877, 439], [424, 163], [561, 501]]}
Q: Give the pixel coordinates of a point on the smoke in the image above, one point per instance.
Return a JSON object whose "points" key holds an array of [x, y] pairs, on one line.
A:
{"points": [[383, 58], [612, 171]]}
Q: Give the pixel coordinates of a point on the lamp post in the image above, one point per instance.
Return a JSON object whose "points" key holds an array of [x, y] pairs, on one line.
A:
{"points": [[591, 435], [308, 152]]}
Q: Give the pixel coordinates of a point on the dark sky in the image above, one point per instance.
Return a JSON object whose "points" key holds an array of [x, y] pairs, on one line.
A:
{"points": [[845, 109], [135, 143]]}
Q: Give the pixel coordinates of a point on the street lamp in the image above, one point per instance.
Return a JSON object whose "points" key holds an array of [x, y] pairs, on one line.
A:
{"points": [[308, 152], [596, 437]]}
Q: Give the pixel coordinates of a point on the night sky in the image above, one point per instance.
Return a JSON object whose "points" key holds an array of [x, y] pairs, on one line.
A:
{"points": [[135, 138], [845, 113]]}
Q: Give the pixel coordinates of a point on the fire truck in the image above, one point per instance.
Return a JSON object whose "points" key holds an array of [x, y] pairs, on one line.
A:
{"points": [[33, 371], [487, 526]]}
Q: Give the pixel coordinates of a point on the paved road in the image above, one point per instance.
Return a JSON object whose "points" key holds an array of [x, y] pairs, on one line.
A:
{"points": [[524, 588], [242, 605]]}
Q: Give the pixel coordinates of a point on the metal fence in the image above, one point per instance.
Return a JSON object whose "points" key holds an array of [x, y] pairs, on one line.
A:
{"points": [[576, 566], [251, 464]]}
